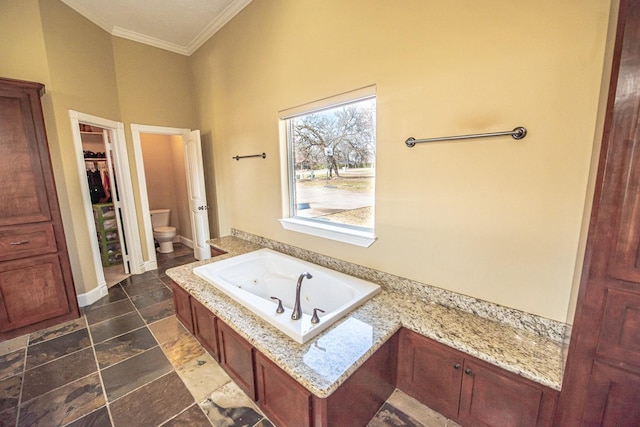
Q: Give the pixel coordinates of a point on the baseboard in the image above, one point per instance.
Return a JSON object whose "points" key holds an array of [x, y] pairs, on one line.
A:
{"points": [[93, 295], [187, 242]]}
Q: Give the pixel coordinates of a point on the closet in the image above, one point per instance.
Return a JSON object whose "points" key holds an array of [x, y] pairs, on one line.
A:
{"points": [[103, 194], [36, 284]]}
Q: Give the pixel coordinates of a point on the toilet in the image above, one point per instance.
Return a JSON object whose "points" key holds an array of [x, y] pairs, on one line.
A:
{"points": [[162, 232]]}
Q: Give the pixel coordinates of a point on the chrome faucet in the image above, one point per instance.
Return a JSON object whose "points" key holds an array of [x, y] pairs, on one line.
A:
{"points": [[297, 311]]}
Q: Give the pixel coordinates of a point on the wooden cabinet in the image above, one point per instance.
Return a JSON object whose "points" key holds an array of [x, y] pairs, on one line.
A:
{"points": [[430, 372], [205, 328], [236, 357], [281, 398], [601, 385], [470, 391], [36, 285], [182, 305], [461, 387]]}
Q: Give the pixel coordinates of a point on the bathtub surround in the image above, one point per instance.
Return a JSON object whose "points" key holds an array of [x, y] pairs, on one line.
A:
{"points": [[523, 352]]}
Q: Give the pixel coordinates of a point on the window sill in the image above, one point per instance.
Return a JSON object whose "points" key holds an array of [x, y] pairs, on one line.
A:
{"points": [[329, 231]]}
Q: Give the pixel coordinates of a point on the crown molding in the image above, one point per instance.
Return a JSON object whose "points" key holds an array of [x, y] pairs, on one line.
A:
{"points": [[148, 40], [230, 11]]}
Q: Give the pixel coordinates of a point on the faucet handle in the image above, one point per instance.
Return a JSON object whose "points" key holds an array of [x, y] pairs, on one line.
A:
{"points": [[280, 309], [315, 318]]}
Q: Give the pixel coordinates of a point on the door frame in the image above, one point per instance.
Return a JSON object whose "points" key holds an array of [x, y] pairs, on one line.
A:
{"points": [[125, 192], [136, 130]]}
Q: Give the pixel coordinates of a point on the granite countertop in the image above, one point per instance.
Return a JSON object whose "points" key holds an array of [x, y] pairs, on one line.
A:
{"points": [[325, 362]]}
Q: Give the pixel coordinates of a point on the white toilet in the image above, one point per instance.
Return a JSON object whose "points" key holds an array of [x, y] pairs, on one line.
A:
{"points": [[162, 232]]}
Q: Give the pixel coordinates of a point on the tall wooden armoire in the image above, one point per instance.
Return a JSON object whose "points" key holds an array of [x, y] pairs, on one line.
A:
{"points": [[601, 384], [36, 285]]}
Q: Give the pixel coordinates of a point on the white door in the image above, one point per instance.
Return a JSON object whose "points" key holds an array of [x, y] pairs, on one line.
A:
{"points": [[115, 198], [197, 196]]}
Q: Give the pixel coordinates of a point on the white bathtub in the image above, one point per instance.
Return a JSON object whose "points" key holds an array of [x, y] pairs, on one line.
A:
{"points": [[252, 278]]}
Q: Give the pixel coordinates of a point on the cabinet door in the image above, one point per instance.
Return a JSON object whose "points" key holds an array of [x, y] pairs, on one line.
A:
{"points": [[182, 304], [282, 399], [492, 397], [204, 323], [32, 290], [430, 372], [236, 357], [614, 396], [22, 183]]}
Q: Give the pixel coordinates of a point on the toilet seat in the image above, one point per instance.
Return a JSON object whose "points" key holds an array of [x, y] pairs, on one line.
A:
{"points": [[164, 230]]}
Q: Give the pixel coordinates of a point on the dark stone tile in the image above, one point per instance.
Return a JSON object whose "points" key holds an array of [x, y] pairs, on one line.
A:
{"points": [[9, 418], [230, 406], [63, 405], [153, 297], [116, 326], [99, 418], [159, 311], [116, 293], [388, 415], [49, 350], [138, 288], [108, 311], [192, 417], [61, 371], [124, 346], [152, 404], [10, 392], [57, 331], [12, 363], [134, 372]]}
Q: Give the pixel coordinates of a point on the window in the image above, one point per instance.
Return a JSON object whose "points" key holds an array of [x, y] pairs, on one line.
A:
{"points": [[330, 167]]}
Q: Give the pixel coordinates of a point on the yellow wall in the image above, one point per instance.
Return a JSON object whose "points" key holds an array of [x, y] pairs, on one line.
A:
{"points": [[495, 219]]}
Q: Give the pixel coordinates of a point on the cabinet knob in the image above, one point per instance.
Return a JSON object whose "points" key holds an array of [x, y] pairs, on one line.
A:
{"points": [[468, 371], [456, 366]]}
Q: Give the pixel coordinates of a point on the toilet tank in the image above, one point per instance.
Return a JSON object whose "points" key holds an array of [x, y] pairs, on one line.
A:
{"points": [[160, 217]]}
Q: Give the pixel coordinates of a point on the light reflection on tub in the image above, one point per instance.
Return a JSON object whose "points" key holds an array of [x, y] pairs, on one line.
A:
{"points": [[252, 278]]}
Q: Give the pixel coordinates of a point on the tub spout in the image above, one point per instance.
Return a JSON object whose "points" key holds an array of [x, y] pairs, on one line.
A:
{"points": [[297, 310]]}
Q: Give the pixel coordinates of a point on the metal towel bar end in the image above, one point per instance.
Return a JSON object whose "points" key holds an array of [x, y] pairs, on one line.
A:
{"points": [[517, 133], [263, 155]]}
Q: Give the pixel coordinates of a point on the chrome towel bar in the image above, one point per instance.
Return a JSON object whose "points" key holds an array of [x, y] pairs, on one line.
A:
{"points": [[263, 155], [517, 133]]}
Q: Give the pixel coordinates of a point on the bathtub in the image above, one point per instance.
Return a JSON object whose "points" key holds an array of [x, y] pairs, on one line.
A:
{"points": [[253, 278]]}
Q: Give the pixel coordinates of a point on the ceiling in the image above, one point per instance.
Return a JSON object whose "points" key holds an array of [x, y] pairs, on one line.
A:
{"points": [[180, 26]]}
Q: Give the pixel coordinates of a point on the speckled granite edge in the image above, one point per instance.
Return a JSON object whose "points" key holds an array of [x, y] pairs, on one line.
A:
{"points": [[552, 329], [525, 353]]}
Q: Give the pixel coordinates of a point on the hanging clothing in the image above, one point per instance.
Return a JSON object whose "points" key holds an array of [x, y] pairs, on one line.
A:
{"points": [[96, 189]]}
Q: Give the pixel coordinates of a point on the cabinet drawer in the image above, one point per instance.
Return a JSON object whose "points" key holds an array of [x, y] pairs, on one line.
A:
{"points": [[26, 241]]}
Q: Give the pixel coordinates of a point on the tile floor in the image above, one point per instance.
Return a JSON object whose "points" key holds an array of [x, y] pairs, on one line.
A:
{"points": [[128, 362]]}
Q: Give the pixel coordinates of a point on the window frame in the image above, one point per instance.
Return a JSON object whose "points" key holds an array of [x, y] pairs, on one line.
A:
{"points": [[350, 234]]}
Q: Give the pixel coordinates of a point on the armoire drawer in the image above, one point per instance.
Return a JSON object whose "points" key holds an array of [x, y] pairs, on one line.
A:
{"points": [[27, 240]]}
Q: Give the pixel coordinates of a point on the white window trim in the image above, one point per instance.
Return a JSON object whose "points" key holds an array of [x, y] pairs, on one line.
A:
{"points": [[339, 233], [329, 231]]}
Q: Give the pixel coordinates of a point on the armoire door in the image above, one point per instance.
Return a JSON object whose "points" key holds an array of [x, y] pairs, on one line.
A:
{"points": [[36, 285], [601, 384]]}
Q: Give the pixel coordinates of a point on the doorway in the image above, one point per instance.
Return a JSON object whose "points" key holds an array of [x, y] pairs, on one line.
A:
{"points": [[105, 203], [109, 135], [170, 176]]}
